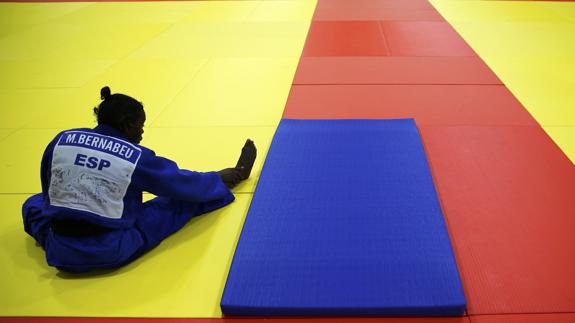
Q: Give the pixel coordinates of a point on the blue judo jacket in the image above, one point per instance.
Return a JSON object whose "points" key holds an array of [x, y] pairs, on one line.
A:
{"points": [[96, 175]]}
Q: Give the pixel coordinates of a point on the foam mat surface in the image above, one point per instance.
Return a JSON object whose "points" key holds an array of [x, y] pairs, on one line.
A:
{"points": [[507, 194], [236, 92], [433, 104], [39, 73], [5, 133], [345, 221], [189, 147], [28, 105], [227, 39]]}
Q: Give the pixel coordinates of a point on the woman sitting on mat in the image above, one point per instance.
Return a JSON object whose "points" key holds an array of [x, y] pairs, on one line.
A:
{"points": [[90, 213]]}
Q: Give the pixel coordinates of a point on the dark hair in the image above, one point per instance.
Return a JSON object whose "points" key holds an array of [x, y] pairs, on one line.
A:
{"points": [[117, 110]]}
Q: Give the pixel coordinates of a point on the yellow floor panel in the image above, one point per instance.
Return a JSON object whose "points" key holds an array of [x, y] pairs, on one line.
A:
{"points": [[496, 11], [4, 133], [565, 9], [528, 45], [105, 41], [50, 73], [36, 13], [33, 41], [565, 138], [20, 169], [238, 92], [9, 29], [183, 277], [222, 11], [22, 106], [279, 10], [155, 83], [124, 13], [78, 41], [227, 39]]}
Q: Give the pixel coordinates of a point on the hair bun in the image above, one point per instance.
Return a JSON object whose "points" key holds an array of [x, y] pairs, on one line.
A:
{"points": [[105, 93]]}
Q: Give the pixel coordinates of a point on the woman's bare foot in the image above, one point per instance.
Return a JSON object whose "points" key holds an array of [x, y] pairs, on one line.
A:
{"points": [[247, 158]]}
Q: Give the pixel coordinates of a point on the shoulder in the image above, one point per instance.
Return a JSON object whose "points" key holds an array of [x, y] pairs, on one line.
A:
{"points": [[147, 154]]}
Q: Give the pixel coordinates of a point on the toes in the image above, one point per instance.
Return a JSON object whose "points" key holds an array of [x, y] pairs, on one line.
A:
{"points": [[249, 143]]}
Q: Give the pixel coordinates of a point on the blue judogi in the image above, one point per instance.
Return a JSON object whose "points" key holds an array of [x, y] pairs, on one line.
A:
{"points": [[96, 176]]}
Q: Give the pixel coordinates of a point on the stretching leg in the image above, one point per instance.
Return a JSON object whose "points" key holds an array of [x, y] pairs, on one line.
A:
{"points": [[163, 216], [35, 223]]}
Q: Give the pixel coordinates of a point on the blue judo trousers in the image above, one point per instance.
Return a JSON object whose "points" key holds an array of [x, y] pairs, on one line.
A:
{"points": [[95, 176]]}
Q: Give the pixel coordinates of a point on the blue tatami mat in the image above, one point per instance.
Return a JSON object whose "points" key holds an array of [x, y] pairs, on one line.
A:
{"points": [[345, 220]]}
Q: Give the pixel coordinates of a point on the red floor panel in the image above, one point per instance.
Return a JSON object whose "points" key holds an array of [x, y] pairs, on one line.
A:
{"points": [[259, 320], [507, 195], [357, 38], [424, 38], [428, 104], [364, 13], [394, 70], [525, 318]]}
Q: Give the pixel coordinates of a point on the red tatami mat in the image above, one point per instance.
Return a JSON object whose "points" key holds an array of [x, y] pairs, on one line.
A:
{"points": [[344, 5], [394, 70], [507, 195], [525, 318], [352, 38], [236, 320], [428, 104], [348, 13], [403, 10], [424, 38]]}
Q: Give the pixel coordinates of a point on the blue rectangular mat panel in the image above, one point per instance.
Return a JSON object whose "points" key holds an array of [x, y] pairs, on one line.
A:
{"points": [[345, 220]]}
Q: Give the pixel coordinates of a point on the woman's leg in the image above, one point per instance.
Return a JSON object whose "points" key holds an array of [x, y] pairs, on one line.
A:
{"points": [[163, 216], [35, 223]]}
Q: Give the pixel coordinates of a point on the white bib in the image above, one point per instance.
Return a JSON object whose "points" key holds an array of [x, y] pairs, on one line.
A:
{"points": [[92, 172]]}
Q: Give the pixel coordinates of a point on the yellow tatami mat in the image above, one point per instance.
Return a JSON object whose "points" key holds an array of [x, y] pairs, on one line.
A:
{"points": [[35, 13], [232, 92], [20, 169], [230, 39], [89, 41], [40, 72], [529, 46], [5, 133], [21, 106], [210, 74], [154, 82]]}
